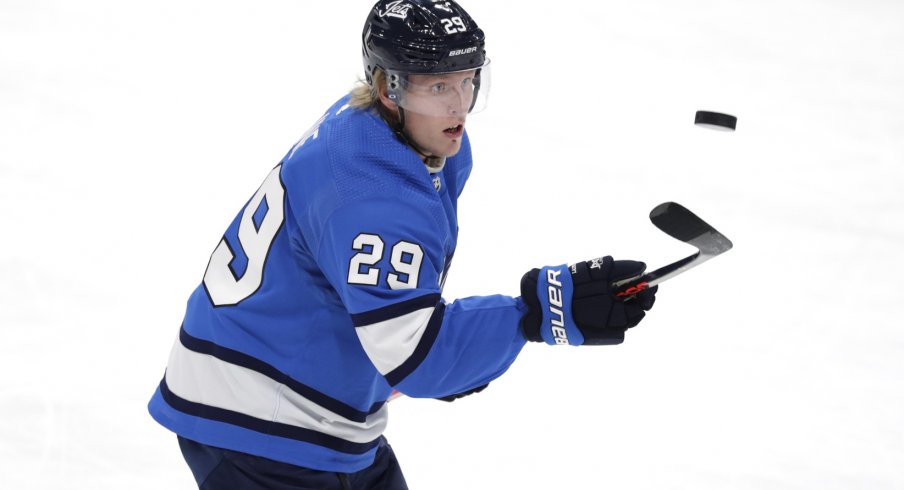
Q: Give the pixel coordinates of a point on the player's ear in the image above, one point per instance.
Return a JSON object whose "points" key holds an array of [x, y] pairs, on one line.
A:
{"points": [[383, 95]]}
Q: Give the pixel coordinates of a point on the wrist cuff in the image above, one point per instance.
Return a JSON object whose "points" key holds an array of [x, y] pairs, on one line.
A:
{"points": [[555, 292]]}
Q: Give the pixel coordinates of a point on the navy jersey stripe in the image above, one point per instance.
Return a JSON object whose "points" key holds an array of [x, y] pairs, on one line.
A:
{"points": [[423, 347], [246, 361], [263, 426], [395, 310]]}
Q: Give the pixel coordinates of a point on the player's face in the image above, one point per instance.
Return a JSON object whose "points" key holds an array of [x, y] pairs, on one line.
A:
{"points": [[440, 94], [437, 136], [436, 107]]}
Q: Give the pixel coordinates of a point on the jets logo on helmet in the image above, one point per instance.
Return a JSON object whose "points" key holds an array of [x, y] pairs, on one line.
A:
{"points": [[396, 9]]}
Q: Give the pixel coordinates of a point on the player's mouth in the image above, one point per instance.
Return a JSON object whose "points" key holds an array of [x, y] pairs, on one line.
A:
{"points": [[454, 131]]}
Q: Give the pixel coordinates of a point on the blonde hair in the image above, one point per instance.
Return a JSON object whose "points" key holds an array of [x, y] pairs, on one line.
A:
{"points": [[365, 96]]}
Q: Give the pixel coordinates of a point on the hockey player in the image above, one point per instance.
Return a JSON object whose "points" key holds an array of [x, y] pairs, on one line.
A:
{"points": [[324, 294]]}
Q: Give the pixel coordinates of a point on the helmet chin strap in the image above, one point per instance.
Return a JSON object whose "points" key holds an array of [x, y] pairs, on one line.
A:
{"points": [[433, 163]]}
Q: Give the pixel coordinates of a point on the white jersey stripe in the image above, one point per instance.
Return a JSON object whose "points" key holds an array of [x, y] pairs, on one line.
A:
{"points": [[205, 379], [391, 342]]}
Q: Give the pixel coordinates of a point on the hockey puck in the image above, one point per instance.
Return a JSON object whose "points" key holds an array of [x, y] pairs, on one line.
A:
{"points": [[715, 120]]}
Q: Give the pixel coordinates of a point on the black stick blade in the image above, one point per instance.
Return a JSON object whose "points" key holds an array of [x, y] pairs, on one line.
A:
{"points": [[678, 222]]}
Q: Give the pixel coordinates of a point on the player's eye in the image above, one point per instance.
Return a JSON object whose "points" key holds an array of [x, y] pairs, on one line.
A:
{"points": [[438, 88]]}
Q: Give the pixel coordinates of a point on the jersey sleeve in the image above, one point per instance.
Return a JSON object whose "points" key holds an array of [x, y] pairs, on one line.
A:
{"points": [[386, 259]]}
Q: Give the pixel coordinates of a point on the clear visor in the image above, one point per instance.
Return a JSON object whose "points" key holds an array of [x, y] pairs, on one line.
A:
{"points": [[452, 94]]}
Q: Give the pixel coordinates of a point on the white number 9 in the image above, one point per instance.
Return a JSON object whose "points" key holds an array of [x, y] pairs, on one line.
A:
{"points": [[255, 239], [406, 259]]}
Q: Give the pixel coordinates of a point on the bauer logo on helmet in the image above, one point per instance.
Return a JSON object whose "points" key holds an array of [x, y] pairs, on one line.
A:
{"points": [[459, 52]]}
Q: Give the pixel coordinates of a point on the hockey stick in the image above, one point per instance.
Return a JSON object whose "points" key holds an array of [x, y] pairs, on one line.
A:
{"points": [[679, 223]]}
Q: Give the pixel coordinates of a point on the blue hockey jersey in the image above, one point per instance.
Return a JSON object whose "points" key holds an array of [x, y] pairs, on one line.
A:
{"points": [[323, 295]]}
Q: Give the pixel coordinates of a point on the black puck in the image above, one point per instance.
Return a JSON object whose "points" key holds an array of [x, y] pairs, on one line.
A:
{"points": [[715, 120]]}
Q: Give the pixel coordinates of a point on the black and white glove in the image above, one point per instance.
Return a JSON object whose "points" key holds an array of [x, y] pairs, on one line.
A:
{"points": [[573, 305]]}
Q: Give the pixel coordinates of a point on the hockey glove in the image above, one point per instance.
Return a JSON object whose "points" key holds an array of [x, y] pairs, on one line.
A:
{"points": [[574, 305], [452, 398]]}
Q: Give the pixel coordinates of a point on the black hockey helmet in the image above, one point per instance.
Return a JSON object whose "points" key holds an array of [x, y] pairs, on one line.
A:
{"points": [[405, 37]]}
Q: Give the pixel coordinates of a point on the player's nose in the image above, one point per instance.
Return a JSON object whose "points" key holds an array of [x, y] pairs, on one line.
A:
{"points": [[459, 103]]}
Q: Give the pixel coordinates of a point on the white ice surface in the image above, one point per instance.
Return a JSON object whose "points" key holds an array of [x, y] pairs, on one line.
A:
{"points": [[132, 132]]}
